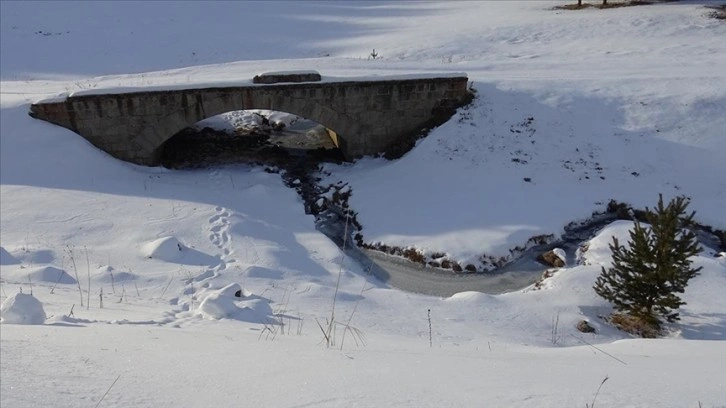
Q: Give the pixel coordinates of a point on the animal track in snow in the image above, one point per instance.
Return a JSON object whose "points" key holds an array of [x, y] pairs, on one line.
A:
{"points": [[219, 235]]}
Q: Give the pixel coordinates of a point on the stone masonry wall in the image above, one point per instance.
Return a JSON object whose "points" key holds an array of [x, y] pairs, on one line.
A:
{"points": [[369, 117]]}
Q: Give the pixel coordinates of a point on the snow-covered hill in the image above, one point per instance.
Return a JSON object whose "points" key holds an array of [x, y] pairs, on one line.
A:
{"points": [[214, 282]]}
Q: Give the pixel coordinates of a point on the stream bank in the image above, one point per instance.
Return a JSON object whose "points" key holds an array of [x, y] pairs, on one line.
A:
{"points": [[299, 165]]}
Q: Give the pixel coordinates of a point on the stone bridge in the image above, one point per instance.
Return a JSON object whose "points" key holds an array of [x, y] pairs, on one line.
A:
{"points": [[367, 116]]}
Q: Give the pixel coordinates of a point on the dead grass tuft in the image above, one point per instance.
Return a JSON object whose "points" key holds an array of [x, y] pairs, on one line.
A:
{"points": [[638, 326], [573, 6], [414, 256], [720, 13], [599, 5]]}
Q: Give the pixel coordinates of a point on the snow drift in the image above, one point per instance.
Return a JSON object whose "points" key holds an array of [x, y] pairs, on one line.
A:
{"points": [[22, 308]]}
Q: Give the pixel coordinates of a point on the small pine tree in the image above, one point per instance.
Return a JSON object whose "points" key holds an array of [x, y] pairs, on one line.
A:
{"points": [[646, 278]]}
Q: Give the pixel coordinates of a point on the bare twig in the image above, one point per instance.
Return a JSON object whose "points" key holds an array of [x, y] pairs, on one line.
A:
{"points": [[597, 393], [60, 276], [331, 323], [353, 331], [431, 337], [326, 334], [106, 393], [88, 269], [555, 325], [70, 250], [299, 323], [600, 350], [123, 293], [165, 288]]}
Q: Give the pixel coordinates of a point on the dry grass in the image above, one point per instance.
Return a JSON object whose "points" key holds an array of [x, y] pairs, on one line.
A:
{"points": [[573, 6], [414, 255], [645, 328], [720, 13], [600, 5]]}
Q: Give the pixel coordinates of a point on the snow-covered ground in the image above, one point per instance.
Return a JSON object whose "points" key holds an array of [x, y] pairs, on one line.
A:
{"points": [[588, 106]]}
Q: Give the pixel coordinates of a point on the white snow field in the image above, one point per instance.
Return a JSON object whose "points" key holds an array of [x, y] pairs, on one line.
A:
{"points": [[215, 283]]}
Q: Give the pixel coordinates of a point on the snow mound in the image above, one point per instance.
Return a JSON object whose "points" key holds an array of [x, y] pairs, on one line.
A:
{"points": [[68, 319], [47, 274], [262, 272], [107, 274], [22, 308], [224, 303], [259, 309], [16, 256], [50, 274], [597, 250], [232, 290], [218, 306], [469, 297], [6, 258], [165, 249]]}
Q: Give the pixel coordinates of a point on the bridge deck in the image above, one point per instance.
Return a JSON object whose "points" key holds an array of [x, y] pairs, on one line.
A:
{"points": [[370, 115]]}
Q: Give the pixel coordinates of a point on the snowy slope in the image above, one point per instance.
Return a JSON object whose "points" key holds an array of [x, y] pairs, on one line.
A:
{"points": [[610, 93]]}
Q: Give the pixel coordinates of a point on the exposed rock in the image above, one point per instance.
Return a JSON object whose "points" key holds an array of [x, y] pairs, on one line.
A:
{"points": [[278, 126], [539, 284], [585, 327], [548, 273], [552, 258]]}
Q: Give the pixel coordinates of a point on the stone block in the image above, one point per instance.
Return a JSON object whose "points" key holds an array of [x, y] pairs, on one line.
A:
{"points": [[289, 76]]}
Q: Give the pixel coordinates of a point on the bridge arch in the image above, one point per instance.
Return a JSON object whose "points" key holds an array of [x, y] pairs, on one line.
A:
{"points": [[250, 136], [369, 116], [213, 103]]}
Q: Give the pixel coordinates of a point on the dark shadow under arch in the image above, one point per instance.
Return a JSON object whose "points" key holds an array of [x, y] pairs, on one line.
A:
{"points": [[250, 137]]}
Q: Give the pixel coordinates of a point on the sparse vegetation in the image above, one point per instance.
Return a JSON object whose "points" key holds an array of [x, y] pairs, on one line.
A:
{"points": [[107, 391], [647, 276], [605, 4], [70, 250], [431, 336], [719, 13], [331, 324], [634, 325], [592, 405], [554, 337]]}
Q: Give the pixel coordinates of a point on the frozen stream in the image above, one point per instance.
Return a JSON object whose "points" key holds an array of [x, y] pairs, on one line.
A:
{"points": [[413, 277], [404, 274], [298, 149]]}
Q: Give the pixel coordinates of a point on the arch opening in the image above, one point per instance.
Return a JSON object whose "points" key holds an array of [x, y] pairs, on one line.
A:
{"points": [[253, 136]]}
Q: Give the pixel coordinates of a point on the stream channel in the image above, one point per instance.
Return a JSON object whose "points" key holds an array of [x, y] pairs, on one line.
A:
{"points": [[297, 152]]}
